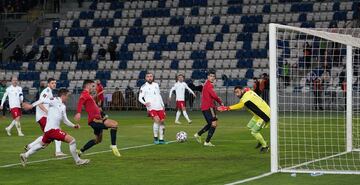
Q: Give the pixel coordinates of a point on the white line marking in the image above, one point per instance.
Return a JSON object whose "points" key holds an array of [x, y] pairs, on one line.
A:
{"points": [[92, 153], [251, 179]]}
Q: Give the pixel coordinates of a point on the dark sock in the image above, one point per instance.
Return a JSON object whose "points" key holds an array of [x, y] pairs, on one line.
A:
{"points": [[88, 145], [113, 136], [210, 134], [102, 114], [203, 130], [156, 138]]}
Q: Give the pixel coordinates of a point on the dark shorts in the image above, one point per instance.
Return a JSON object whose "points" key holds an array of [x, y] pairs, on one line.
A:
{"points": [[210, 115], [98, 126]]}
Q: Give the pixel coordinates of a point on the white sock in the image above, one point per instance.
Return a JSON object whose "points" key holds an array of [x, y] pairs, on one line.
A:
{"points": [[156, 129], [33, 149], [18, 126], [72, 146], [12, 124], [37, 140], [186, 115], [161, 131], [178, 113], [57, 146]]}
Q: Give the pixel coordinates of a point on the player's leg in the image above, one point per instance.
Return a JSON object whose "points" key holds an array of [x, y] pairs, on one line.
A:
{"points": [[185, 113], [255, 125], [113, 125], [46, 139], [72, 146], [161, 116], [178, 113], [17, 123], [8, 128], [156, 128], [92, 142], [32, 144]]}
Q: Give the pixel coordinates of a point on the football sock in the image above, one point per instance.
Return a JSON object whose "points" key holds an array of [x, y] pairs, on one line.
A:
{"points": [[37, 140], [156, 129], [260, 138], [18, 126], [72, 146], [203, 130], [57, 146], [210, 134], [12, 124], [186, 115], [113, 136], [178, 113], [88, 145], [33, 149], [161, 131]]}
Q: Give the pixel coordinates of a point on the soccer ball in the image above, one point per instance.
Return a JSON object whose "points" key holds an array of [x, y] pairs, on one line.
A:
{"points": [[181, 136]]}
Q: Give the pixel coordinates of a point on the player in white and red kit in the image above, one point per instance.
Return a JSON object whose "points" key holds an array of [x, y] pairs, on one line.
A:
{"points": [[179, 88], [150, 96], [52, 131], [41, 116], [15, 94]]}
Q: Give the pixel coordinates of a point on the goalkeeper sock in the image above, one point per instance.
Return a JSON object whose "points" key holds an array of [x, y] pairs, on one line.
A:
{"points": [[210, 134], [88, 145], [203, 130], [178, 113], [113, 136], [260, 138]]}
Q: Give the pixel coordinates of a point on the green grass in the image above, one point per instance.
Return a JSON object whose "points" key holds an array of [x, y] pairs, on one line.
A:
{"points": [[234, 157]]}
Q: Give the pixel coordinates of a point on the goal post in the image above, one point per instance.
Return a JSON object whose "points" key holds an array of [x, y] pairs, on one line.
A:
{"points": [[314, 99]]}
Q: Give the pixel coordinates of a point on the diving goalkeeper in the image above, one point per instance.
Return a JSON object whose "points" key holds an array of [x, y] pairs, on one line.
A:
{"points": [[256, 106]]}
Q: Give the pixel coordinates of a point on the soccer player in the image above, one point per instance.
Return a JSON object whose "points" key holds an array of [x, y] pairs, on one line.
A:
{"points": [[15, 94], [100, 97], [179, 88], [95, 120], [52, 131], [41, 116], [258, 108], [208, 109], [150, 96]]}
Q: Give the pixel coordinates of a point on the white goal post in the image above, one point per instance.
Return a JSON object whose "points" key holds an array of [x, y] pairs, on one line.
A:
{"points": [[314, 99]]}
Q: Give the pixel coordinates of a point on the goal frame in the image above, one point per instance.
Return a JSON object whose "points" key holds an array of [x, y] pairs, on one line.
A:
{"points": [[274, 155]]}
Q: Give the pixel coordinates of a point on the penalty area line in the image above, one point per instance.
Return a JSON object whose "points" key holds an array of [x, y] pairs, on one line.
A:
{"points": [[251, 178], [87, 154]]}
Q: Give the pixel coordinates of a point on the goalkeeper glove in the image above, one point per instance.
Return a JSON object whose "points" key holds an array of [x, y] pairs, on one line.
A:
{"points": [[223, 108]]}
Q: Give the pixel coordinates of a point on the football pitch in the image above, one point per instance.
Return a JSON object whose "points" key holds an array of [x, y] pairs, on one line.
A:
{"points": [[234, 157]]}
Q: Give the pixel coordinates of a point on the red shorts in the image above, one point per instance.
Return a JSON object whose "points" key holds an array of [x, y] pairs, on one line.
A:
{"points": [[42, 123], [15, 112], [180, 104], [53, 134], [159, 113]]}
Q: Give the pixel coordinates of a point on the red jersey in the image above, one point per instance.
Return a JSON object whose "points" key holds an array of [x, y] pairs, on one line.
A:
{"points": [[91, 108], [100, 89], [209, 96]]}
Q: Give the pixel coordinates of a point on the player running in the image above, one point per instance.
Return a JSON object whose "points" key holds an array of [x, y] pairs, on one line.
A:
{"points": [[256, 106], [208, 109], [52, 131], [41, 116], [179, 88], [95, 120], [15, 94], [150, 96]]}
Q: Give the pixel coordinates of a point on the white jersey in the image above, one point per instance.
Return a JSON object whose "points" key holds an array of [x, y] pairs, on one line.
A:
{"points": [[56, 113], [179, 88], [45, 94], [15, 96], [150, 93]]}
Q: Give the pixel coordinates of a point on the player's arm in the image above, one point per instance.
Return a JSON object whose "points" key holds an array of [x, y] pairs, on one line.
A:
{"points": [[171, 91], [215, 96], [190, 90], [79, 108], [237, 106], [142, 97], [67, 121], [21, 96], [28, 106], [41, 106], [3, 99]]}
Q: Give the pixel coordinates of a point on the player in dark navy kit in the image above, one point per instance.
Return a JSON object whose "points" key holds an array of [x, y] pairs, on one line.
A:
{"points": [[208, 109], [95, 120]]}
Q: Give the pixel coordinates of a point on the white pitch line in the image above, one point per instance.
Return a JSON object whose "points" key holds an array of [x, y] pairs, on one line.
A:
{"points": [[92, 153], [251, 179]]}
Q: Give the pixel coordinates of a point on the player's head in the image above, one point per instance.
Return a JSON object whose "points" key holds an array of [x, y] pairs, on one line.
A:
{"points": [[88, 85], [51, 83], [238, 91], [63, 94], [97, 81], [211, 75], [149, 77], [180, 77], [14, 81]]}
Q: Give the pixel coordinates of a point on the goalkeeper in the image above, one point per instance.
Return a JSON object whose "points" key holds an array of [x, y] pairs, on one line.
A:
{"points": [[256, 106]]}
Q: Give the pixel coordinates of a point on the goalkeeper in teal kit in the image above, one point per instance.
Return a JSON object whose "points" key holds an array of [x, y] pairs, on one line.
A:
{"points": [[258, 108]]}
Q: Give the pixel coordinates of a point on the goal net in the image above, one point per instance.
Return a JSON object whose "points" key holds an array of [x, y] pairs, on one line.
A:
{"points": [[314, 99]]}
